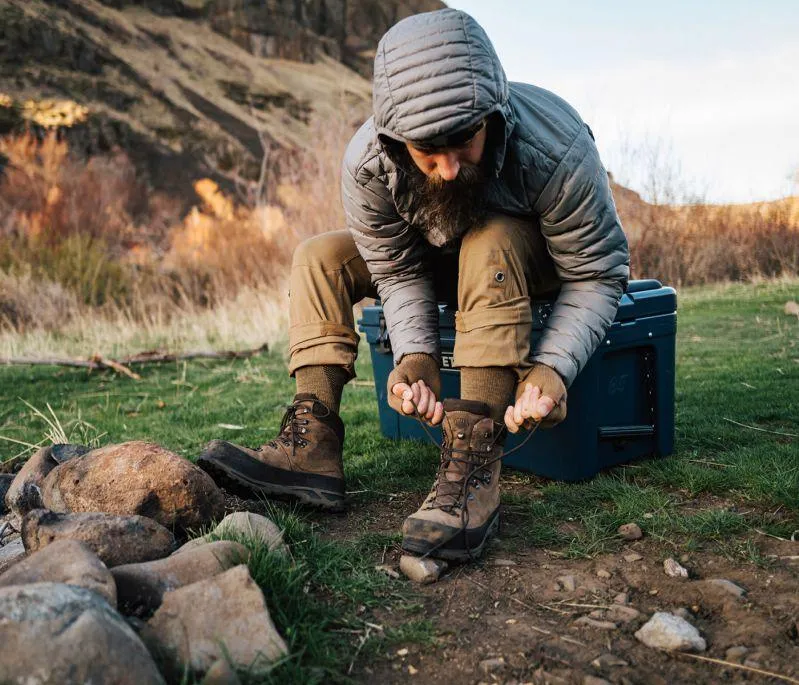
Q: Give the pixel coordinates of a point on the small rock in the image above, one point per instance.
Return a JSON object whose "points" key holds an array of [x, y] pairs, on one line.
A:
{"points": [[736, 654], [422, 571], [567, 583], [502, 562], [115, 539], [608, 660], [24, 493], [388, 570], [673, 569], [594, 680], [594, 623], [602, 573], [221, 673], [141, 587], [65, 561], [727, 585], [249, 526], [412, 670], [616, 613], [10, 553], [670, 632], [55, 633], [135, 478], [752, 663], [630, 531], [492, 665], [632, 557], [224, 617], [621, 598], [5, 483], [682, 612]]}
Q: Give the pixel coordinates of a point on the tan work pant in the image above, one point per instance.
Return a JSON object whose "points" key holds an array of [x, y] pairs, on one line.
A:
{"points": [[501, 265]]}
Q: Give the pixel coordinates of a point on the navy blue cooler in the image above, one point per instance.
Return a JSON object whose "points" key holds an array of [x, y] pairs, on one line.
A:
{"points": [[620, 406]]}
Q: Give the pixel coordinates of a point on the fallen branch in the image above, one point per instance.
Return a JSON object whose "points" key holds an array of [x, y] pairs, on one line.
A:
{"points": [[762, 430], [730, 664], [97, 362]]}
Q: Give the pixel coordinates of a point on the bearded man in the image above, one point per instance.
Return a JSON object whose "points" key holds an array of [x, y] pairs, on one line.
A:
{"points": [[461, 187]]}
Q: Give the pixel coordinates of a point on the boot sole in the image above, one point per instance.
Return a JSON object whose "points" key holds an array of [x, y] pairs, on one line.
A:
{"points": [[453, 550], [238, 472]]}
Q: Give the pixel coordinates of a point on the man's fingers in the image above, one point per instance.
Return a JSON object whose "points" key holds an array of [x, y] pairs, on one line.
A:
{"points": [[510, 421], [431, 405], [518, 418], [438, 414], [529, 404], [544, 406], [408, 407], [399, 389], [417, 391], [424, 399]]}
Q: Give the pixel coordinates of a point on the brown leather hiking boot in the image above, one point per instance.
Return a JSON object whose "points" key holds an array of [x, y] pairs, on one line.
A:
{"points": [[462, 510], [303, 462]]}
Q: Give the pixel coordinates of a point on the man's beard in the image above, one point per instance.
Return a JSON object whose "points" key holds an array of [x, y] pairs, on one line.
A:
{"points": [[445, 210]]}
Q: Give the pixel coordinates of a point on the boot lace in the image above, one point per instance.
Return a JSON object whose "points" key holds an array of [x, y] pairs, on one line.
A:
{"points": [[458, 489], [452, 493], [293, 427]]}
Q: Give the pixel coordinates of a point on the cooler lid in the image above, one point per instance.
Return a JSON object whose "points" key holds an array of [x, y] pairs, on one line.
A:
{"points": [[646, 298]]}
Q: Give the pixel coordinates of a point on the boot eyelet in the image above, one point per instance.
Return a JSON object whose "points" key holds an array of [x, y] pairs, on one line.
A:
{"points": [[461, 436], [470, 498], [488, 448]]}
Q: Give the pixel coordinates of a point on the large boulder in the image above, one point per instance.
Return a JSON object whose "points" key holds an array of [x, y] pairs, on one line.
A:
{"points": [[141, 587], [24, 493], [221, 617], [115, 539], [55, 634], [65, 561], [136, 478]]}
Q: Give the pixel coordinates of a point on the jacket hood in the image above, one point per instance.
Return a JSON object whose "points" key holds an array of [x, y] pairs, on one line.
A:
{"points": [[435, 74]]}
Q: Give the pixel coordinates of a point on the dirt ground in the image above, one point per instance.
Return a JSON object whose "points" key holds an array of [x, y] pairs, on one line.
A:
{"points": [[508, 619]]}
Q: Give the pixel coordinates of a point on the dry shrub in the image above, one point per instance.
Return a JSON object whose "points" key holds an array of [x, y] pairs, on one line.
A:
{"points": [[699, 244], [88, 230], [30, 303], [222, 246], [46, 195]]}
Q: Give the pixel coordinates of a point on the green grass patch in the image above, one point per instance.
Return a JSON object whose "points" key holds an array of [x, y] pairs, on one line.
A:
{"points": [[738, 363]]}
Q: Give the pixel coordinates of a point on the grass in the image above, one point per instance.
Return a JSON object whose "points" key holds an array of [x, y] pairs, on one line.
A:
{"points": [[738, 360]]}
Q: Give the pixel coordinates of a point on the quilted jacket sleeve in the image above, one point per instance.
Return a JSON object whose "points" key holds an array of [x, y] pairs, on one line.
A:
{"points": [[394, 254], [591, 256]]}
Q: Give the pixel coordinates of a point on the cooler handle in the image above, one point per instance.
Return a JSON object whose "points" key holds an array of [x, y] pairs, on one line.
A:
{"points": [[621, 432]]}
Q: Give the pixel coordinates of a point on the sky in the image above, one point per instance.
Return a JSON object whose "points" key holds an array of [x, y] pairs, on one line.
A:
{"points": [[687, 100]]}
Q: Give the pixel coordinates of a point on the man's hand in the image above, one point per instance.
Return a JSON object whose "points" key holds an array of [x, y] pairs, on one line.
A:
{"points": [[414, 386], [540, 396], [417, 397]]}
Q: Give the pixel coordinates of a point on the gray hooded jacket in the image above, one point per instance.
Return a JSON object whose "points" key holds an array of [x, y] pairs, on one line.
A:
{"points": [[437, 73]]}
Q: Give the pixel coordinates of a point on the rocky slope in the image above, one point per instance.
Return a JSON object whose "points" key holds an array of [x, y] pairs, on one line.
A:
{"points": [[191, 88]]}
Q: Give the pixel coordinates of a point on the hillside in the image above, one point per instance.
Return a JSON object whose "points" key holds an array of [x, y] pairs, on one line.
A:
{"points": [[192, 88]]}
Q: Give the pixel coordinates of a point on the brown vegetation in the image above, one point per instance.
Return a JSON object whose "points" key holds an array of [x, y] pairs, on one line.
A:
{"points": [[85, 241], [698, 243]]}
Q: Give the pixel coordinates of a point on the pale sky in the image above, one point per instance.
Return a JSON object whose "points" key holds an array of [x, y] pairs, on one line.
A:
{"points": [[710, 88]]}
